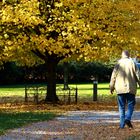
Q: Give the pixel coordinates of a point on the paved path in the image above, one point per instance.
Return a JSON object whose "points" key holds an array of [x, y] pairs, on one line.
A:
{"points": [[96, 116], [73, 125]]}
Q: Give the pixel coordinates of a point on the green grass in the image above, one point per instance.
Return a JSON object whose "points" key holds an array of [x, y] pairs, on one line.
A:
{"points": [[85, 92], [15, 120]]}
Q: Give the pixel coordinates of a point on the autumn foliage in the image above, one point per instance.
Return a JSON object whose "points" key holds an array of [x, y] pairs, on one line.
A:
{"points": [[42, 31]]}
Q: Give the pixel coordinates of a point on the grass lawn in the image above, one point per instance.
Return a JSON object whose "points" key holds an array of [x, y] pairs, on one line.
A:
{"points": [[16, 93], [85, 92], [10, 120], [20, 114]]}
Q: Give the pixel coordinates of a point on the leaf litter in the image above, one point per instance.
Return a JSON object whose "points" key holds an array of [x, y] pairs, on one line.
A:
{"points": [[69, 129]]}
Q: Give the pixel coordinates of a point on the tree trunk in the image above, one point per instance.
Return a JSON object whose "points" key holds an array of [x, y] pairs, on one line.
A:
{"points": [[66, 74], [51, 82]]}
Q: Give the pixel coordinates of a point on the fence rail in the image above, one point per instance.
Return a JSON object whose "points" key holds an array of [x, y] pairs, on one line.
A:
{"points": [[36, 93]]}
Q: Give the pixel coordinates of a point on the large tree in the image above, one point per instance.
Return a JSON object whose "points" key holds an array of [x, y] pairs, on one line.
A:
{"points": [[42, 31]]}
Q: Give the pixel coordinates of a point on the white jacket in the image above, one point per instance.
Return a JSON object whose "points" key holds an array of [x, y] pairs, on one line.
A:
{"points": [[125, 76]]}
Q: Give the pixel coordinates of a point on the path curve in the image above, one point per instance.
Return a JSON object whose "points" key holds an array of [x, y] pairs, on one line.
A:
{"points": [[75, 125]]}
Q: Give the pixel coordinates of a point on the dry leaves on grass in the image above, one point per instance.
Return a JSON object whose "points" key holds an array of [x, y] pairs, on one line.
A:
{"points": [[71, 130], [110, 106], [58, 107]]}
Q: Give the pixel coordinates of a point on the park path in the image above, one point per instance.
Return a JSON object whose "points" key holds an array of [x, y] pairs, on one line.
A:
{"points": [[76, 125]]}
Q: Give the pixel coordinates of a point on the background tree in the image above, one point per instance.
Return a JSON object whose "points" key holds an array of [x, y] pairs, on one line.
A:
{"points": [[42, 31]]}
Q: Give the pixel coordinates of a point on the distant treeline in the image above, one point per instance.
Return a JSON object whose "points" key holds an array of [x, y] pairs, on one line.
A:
{"points": [[77, 73]]}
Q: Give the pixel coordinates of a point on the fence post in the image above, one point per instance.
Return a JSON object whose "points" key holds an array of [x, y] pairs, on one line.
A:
{"points": [[95, 90], [76, 95], [36, 96], [26, 93], [69, 98]]}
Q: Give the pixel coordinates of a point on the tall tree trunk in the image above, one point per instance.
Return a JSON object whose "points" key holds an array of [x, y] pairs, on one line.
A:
{"points": [[51, 82], [66, 74]]}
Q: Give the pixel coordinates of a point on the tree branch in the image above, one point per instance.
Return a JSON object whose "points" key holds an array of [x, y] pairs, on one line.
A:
{"points": [[39, 54]]}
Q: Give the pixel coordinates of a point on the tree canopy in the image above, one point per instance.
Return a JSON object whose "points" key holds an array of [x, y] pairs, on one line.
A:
{"points": [[42, 31], [32, 30]]}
